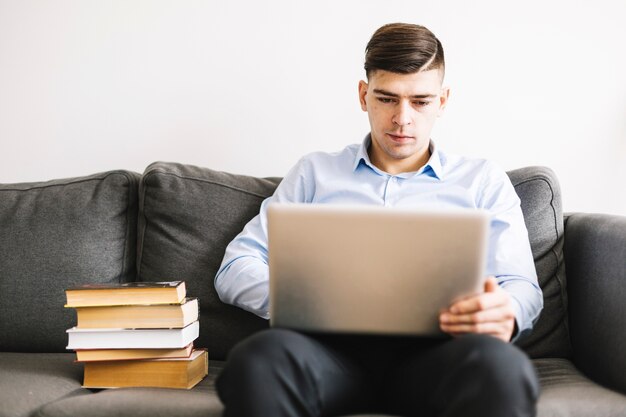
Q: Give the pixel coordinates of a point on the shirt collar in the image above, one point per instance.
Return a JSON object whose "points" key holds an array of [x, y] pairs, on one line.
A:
{"points": [[433, 166]]}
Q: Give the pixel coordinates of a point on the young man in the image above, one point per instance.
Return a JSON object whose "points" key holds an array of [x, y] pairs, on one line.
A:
{"points": [[475, 372]]}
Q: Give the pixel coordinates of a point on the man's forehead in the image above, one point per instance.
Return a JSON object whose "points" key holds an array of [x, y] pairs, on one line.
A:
{"points": [[383, 92], [420, 84]]}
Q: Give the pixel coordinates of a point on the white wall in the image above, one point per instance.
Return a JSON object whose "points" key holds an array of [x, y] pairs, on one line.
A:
{"points": [[250, 86]]}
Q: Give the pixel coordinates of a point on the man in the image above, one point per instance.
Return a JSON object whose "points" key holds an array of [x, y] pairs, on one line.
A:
{"points": [[474, 372]]}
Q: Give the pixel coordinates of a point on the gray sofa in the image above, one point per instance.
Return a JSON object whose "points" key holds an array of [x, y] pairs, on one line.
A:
{"points": [[174, 222]]}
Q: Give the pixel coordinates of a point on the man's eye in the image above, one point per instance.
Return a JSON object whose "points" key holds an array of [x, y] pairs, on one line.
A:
{"points": [[421, 103], [385, 100]]}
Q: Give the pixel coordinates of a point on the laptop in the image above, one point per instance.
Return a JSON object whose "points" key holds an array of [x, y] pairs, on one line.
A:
{"points": [[369, 269]]}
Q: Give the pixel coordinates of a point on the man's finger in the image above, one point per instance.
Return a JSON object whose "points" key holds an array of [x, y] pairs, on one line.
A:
{"points": [[492, 328], [480, 302], [491, 284], [490, 315]]}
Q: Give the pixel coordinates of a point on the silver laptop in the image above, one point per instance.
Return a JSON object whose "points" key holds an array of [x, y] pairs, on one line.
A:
{"points": [[372, 270]]}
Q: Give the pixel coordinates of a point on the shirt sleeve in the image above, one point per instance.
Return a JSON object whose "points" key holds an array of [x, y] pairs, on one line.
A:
{"points": [[510, 256], [243, 277]]}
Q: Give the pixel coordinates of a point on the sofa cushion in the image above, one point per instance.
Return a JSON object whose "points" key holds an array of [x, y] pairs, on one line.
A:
{"points": [[31, 380], [200, 401], [540, 196], [55, 235], [565, 392], [188, 215]]}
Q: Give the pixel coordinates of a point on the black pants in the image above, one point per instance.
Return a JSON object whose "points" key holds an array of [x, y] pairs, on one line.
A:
{"points": [[285, 373]]}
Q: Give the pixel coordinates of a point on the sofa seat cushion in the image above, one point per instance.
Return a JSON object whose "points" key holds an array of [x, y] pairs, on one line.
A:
{"points": [[565, 392], [55, 235], [200, 401], [31, 380]]}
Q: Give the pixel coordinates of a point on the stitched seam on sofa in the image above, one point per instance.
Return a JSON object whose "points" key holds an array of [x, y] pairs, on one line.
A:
{"points": [[559, 260], [559, 280], [131, 183], [141, 224], [41, 187], [208, 182]]}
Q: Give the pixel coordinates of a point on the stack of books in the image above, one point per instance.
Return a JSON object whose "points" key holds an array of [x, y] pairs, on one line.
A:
{"points": [[137, 334]]}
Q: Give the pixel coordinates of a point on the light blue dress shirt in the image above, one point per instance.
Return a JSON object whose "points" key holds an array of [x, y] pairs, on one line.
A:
{"points": [[349, 177]]}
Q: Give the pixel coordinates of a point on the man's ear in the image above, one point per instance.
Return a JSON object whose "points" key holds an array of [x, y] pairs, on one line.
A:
{"points": [[362, 94], [443, 99]]}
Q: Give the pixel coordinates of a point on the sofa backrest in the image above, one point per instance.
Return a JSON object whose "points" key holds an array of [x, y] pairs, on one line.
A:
{"points": [[61, 233], [58, 234], [188, 215], [540, 195]]}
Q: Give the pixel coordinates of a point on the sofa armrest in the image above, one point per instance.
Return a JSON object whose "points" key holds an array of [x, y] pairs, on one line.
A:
{"points": [[595, 264]]}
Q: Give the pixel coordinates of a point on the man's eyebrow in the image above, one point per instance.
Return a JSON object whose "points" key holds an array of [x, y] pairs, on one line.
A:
{"points": [[390, 94]]}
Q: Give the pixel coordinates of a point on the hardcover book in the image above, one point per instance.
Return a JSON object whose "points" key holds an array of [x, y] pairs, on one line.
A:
{"points": [[126, 293], [79, 338], [139, 316], [92, 355], [182, 373]]}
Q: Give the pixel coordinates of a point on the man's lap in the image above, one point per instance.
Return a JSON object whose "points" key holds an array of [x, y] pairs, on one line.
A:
{"points": [[341, 374]]}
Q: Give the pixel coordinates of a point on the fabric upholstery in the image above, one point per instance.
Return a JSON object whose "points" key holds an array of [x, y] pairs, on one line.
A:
{"points": [[65, 232], [540, 196], [30, 380], [188, 215], [201, 401], [565, 392], [55, 235], [595, 249]]}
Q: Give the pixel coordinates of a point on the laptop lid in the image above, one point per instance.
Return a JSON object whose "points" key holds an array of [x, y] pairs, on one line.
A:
{"points": [[369, 269]]}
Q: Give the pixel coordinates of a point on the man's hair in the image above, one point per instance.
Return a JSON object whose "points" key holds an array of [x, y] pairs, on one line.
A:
{"points": [[403, 48]]}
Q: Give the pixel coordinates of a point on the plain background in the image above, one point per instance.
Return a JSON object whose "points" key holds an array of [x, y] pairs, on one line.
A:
{"points": [[250, 86]]}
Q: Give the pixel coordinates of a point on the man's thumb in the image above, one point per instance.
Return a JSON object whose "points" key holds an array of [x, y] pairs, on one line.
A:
{"points": [[491, 284]]}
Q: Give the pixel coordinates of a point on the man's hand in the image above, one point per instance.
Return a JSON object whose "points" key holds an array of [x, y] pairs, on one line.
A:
{"points": [[488, 313]]}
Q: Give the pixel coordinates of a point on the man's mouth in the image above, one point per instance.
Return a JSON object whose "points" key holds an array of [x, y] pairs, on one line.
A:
{"points": [[399, 137]]}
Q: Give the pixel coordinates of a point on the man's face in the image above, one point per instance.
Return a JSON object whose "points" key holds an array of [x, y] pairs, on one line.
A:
{"points": [[402, 109]]}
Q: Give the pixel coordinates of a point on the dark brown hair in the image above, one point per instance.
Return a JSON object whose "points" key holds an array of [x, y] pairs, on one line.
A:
{"points": [[403, 48]]}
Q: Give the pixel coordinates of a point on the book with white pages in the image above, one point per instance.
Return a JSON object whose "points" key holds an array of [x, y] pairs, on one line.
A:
{"points": [[79, 338]]}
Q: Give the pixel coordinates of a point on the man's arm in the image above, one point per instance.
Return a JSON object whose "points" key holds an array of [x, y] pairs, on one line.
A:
{"points": [[512, 300], [243, 278]]}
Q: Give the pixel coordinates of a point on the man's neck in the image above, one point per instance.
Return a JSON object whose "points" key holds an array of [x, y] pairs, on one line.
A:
{"points": [[399, 166]]}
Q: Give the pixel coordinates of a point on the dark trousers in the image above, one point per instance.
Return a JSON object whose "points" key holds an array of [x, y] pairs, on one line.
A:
{"points": [[280, 372]]}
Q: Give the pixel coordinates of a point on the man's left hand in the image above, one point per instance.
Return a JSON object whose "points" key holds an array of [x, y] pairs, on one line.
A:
{"points": [[490, 312]]}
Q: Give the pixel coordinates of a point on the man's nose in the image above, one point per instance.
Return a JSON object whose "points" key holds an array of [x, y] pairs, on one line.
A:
{"points": [[402, 116]]}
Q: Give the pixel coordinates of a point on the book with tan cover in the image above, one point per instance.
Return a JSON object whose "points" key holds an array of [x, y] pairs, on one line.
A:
{"points": [[182, 373], [91, 355], [141, 316]]}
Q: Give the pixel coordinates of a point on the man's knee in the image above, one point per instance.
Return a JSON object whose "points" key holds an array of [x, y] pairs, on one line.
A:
{"points": [[265, 351], [269, 374], [499, 366]]}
